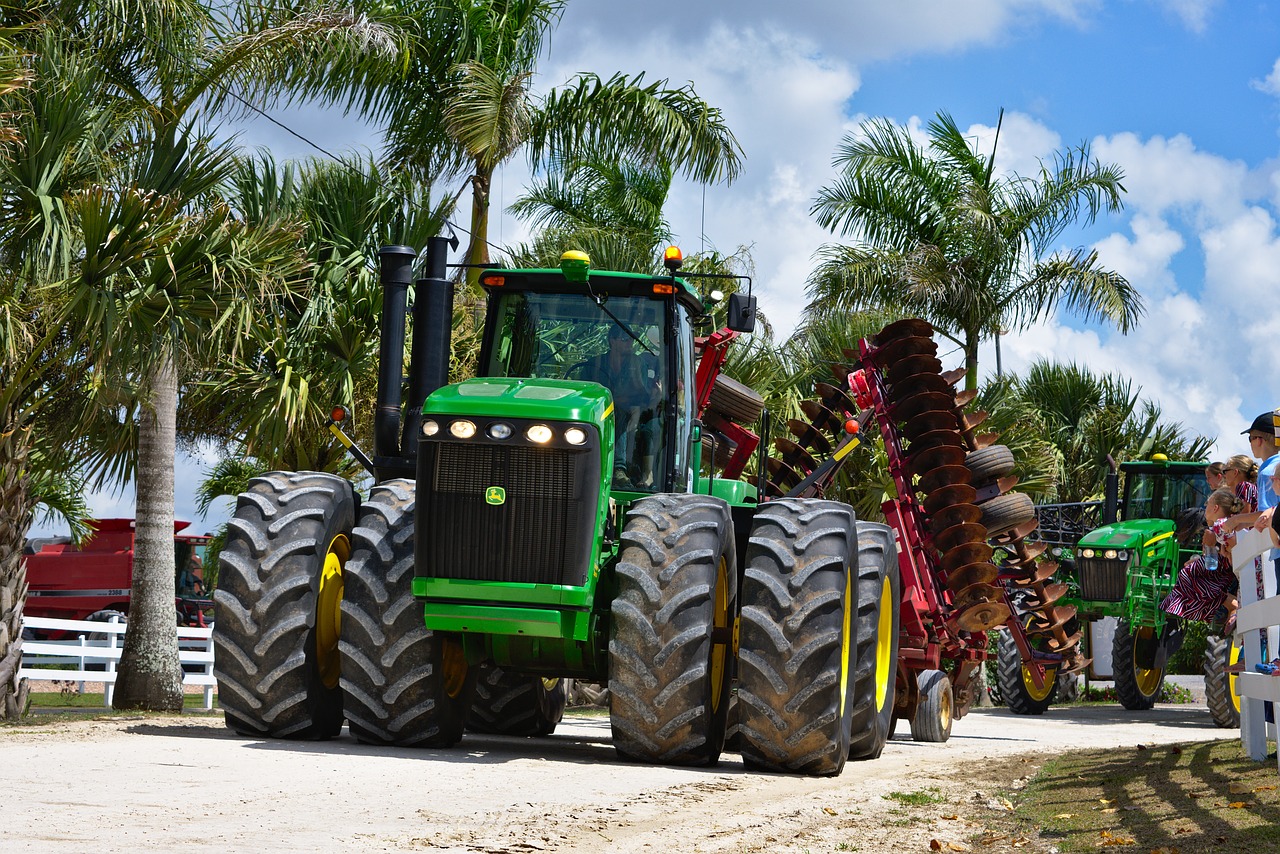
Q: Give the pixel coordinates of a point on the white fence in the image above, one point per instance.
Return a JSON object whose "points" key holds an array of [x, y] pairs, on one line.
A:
{"points": [[195, 650], [1255, 617]]}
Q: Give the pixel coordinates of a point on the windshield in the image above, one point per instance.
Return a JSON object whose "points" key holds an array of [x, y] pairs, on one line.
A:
{"points": [[617, 343], [1164, 494]]}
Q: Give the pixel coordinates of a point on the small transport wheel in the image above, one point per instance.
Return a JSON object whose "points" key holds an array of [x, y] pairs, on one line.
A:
{"points": [[671, 638], [405, 685], [1220, 692], [104, 639], [875, 662], [796, 645], [1137, 687], [1006, 512], [280, 580], [508, 703], [724, 447], [1017, 685], [735, 401], [990, 463], [932, 722]]}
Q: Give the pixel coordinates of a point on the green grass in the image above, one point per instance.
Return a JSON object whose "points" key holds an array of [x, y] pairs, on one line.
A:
{"points": [[919, 798], [1199, 797], [93, 700]]}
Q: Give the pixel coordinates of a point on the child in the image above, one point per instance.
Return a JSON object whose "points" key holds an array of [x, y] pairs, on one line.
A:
{"points": [[1240, 475], [1201, 593], [1213, 475]]}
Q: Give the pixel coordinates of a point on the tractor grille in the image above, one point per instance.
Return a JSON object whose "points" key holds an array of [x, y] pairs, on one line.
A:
{"points": [[541, 533], [1102, 580]]}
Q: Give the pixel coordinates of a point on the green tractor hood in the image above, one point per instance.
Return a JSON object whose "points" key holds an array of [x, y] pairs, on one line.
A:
{"points": [[1127, 535], [517, 397]]}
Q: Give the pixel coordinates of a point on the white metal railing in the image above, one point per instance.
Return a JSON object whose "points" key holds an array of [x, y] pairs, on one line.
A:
{"points": [[195, 647], [1256, 617]]}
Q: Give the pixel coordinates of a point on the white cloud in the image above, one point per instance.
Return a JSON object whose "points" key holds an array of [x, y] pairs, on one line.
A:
{"points": [[1194, 14], [1271, 83], [1143, 259], [1171, 175]]}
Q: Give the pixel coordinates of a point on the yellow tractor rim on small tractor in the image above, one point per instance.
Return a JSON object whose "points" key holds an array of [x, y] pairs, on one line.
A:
{"points": [[884, 645], [453, 667], [1042, 693], [1233, 658], [329, 611], [720, 622], [1148, 680], [844, 642]]}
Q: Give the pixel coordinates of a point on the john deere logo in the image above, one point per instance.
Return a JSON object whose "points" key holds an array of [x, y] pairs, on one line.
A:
{"points": [[495, 495]]}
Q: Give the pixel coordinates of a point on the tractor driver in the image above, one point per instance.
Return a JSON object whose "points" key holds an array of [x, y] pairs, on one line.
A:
{"points": [[633, 379]]}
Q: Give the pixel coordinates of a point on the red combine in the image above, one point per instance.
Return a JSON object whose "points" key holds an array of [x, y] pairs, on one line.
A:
{"points": [[93, 581]]}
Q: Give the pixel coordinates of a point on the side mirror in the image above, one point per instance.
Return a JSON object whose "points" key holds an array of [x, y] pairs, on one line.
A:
{"points": [[742, 313]]}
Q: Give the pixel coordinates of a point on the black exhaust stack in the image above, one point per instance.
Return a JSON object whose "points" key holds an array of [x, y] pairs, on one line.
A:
{"points": [[397, 273], [432, 334]]}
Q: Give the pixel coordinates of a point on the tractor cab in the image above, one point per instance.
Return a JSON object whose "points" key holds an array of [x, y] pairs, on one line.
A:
{"points": [[631, 334]]}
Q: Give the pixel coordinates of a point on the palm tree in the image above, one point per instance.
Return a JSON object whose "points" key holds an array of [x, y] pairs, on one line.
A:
{"points": [[1088, 417], [459, 103], [944, 237]]}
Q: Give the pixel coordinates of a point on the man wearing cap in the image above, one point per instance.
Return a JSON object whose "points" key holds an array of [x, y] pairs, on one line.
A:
{"points": [[1262, 444]]}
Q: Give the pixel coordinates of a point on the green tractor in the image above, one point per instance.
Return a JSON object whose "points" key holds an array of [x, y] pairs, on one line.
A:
{"points": [[549, 520], [1123, 568]]}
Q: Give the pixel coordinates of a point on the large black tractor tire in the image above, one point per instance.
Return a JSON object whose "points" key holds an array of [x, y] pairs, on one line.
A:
{"points": [[671, 641], [280, 581], [735, 401], [936, 711], [1137, 687], [1067, 688], [795, 652], [874, 668], [1017, 688], [511, 704], [990, 463], [1219, 684], [405, 685]]}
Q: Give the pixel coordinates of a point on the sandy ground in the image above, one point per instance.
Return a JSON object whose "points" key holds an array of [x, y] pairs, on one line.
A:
{"points": [[114, 784]]}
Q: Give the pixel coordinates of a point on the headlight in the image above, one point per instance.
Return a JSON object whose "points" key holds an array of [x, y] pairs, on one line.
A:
{"points": [[539, 433], [1086, 553], [1109, 554], [430, 428], [575, 436], [1057, 552], [499, 430], [462, 429], [1122, 555]]}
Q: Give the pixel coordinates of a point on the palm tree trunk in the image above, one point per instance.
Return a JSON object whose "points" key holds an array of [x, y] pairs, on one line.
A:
{"points": [[971, 360], [478, 251], [150, 676], [15, 521]]}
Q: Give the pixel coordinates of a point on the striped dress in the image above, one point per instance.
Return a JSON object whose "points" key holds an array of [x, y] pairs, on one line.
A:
{"points": [[1248, 493], [1198, 592]]}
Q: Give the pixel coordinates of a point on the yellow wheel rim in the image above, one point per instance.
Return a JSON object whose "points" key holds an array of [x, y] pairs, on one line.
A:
{"points": [[1148, 680], [453, 667], [1232, 658], [329, 611], [844, 643], [944, 710], [884, 645], [550, 684], [720, 627], [1042, 693]]}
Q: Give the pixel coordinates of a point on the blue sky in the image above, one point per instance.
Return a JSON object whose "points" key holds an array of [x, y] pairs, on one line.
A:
{"points": [[1183, 95]]}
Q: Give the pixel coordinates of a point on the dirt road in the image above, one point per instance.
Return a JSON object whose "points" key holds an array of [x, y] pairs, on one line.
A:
{"points": [[165, 783]]}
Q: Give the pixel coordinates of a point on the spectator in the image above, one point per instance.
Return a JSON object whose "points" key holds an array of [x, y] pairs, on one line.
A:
{"points": [[1240, 474], [1262, 444], [1213, 474]]}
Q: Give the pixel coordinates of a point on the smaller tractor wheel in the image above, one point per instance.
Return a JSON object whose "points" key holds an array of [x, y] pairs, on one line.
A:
{"points": [[280, 583], [511, 704], [932, 722], [1067, 688], [405, 685], [1220, 684], [1017, 686], [796, 645], [1006, 512], [671, 639], [987, 464], [875, 662], [735, 401], [1137, 687]]}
